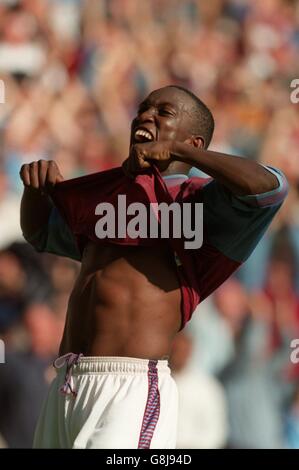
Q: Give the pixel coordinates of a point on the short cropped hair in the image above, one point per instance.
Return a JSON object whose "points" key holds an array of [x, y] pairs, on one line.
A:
{"points": [[204, 122]]}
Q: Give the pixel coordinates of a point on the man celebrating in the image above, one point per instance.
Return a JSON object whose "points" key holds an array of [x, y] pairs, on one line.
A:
{"points": [[113, 387]]}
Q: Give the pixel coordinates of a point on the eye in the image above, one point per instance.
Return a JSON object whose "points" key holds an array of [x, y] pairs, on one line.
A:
{"points": [[165, 112]]}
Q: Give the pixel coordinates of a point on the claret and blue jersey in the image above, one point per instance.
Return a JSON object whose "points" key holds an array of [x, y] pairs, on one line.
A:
{"points": [[232, 225]]}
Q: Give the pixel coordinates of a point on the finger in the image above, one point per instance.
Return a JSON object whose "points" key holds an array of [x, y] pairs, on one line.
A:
{"points": [[142, 163], [33, 174], [59, 178], [42, 172], [137, 159], [53, 175], [150, 157], [140, 160], [24, 174]]}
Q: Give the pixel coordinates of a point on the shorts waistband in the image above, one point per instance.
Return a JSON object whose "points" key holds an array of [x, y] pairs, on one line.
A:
{"points": [[107, 364]]}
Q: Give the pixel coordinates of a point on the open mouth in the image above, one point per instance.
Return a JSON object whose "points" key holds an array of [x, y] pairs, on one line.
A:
{"points": [[142, 135]]}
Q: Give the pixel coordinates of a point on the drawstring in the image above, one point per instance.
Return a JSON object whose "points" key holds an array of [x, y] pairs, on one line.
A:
{"points": [[69, 359]]}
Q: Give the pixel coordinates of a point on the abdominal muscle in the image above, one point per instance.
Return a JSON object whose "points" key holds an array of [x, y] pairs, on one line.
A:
{"points": [[126, 302]]}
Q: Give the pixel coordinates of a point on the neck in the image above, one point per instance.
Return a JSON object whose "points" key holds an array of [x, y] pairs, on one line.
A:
{"points": [[176, 168]]}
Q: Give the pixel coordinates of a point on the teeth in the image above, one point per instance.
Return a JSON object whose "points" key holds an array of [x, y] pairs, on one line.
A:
{"points": [[143, 133]]}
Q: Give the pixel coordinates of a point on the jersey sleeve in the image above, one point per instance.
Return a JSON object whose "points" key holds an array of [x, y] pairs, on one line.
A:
{"points": [[56, 238], [73, 202], [233, 226]]}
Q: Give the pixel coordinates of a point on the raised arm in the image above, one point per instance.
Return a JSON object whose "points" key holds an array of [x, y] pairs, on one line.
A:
{"points": [[240, 175], [36, 204]]}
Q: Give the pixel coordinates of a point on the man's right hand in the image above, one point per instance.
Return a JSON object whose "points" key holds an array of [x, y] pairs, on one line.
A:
{"points": [[41, 175]]}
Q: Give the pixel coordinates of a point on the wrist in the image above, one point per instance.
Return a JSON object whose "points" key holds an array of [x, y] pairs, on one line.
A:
{"points": [[176, 150], [182, 152], [36, 194]]}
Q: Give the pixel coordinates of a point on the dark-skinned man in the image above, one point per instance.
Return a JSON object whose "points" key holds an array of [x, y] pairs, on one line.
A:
{"points": [[113, 387]]}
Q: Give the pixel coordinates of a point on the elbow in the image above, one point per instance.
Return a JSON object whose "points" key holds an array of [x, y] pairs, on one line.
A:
{"points": [[263, 182], [268, 183]]}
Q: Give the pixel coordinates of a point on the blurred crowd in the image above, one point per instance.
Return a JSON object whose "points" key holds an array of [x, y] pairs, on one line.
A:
{"points": [[74, 72]]}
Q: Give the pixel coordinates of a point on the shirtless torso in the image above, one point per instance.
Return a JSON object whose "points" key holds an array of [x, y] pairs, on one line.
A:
{"points": [[125, 302]]}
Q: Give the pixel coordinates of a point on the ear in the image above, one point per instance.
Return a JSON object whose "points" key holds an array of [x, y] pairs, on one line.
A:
{"points": [[196, 141]]}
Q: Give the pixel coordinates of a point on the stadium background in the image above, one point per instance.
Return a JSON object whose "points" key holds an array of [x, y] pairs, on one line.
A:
{"points": [[74, 72]]}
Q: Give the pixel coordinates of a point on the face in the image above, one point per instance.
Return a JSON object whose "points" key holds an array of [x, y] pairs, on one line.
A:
{"points": [[166, 114]]}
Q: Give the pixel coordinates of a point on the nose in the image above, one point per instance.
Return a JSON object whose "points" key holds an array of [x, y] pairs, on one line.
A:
{"points": [[147, 115]]}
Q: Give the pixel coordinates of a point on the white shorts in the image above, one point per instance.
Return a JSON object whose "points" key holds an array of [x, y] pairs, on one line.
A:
{"points": [[109, 403]]}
